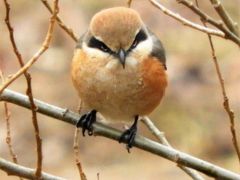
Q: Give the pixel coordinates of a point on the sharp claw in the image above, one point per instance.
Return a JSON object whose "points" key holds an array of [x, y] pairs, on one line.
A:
{"points": [[90, 132], [83, 131], [79, 123], [129, 135], [86, 122]]}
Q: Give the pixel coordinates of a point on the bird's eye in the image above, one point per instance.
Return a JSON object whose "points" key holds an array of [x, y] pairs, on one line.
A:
{"points": [[141, 36], [134, 44], [94, 43], [104, 48]]}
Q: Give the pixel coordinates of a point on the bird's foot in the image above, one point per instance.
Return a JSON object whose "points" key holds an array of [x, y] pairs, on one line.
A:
{"points": [[128, 136], [86, 122]]}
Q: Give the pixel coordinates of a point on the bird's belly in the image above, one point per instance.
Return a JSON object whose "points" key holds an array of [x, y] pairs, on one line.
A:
{"points": [[114, 95]]}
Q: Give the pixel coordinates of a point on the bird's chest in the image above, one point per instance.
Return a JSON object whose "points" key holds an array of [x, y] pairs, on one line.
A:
{"points": [[110, 80]]}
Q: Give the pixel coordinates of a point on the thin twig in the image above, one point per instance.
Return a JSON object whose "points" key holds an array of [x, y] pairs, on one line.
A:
{"points": [[9, 137], [218, 24], [43, 48], [232, 26], [28, 92], [76, 147], [108, 132], [8, 127], [77, 154], [129, 3], [187, 22], [162, 139], [13, 169], [224, 94], [68, 30]]}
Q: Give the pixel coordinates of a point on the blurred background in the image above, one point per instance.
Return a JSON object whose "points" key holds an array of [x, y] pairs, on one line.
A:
{"points": [[191, 114]]}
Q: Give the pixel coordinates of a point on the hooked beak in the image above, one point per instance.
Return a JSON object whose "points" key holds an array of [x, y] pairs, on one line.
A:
{"points": [[122, 57]]}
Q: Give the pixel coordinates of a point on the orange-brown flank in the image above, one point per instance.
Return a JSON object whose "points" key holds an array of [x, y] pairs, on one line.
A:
{"points": [[155, 82]]}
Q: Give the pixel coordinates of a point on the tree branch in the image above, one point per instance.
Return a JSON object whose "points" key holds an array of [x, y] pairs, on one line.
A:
{"points": [[77, 154], [140, 142], [226, 104], [17, 170], [162, 139], [8, 128], [187, 22], [232, 26], [35, 57], [229, 34], [220, 33], [68, 30], [29, 91]]}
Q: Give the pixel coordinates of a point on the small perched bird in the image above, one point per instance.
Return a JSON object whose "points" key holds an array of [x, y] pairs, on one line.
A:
{"points": [[118, 70]]}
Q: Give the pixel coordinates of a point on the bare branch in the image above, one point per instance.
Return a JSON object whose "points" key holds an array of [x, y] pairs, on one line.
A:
{"points": [[232, 26], [225, 99], [224, 94], [76, 147], [43, 48], [218, 24], [9, 137], [129, 3], [77, 154], [162, 139], [68, 30], [187, 22], [140, 142], [28, 92], [17, 170], [8, 127]]}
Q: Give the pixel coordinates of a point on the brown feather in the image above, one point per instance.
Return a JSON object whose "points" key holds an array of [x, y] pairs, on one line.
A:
{"points": [[126, 20]]}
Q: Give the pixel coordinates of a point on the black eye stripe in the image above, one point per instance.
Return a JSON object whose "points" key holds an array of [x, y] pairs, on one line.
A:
{"points": [[141, 36], [94, 43]]}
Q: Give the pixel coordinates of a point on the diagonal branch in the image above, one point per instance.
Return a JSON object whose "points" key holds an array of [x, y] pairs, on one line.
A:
{"points": [[187, 22], [77, 154], [35, 57], [140, 142], [232, 26], [226, 104], [162, 139], [17, 170], [8, 128], [198, 27], [229, 34], [28, 91], [76, 147], [68, 30]]}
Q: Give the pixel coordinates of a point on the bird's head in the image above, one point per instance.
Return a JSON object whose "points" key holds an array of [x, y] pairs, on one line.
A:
{"points": [[117, 32]]}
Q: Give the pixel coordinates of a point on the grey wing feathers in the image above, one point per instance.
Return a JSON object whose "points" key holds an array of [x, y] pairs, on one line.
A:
{"points": [[158, 49]]}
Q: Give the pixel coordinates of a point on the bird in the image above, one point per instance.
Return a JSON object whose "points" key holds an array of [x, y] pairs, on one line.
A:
{"points": [[118, 70]]}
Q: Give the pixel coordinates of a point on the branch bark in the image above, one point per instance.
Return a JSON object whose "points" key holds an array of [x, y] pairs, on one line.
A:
{"points": [[42, 49], [185, 21], [220, 33], [162, 139], [77, 154], [226, 103], [68, 30], [140, 142], [232, 26], [229, 33], [17, 170], [8, 128]]}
